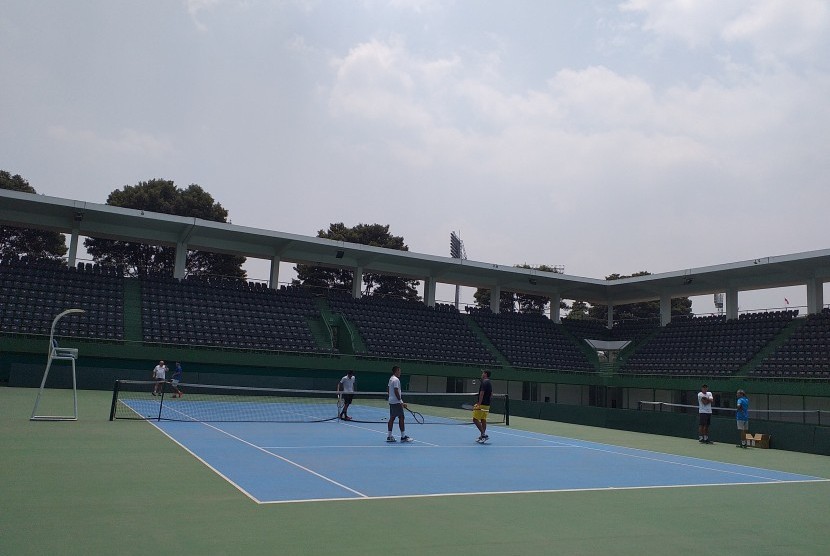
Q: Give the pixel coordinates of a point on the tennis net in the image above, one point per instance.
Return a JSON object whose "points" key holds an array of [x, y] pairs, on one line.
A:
{"points": [[213, 403]]}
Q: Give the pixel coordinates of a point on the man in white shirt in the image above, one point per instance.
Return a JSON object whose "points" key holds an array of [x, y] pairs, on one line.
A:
{"points": [[704, 409], [159, 375], [345, 388], [396, 405]]}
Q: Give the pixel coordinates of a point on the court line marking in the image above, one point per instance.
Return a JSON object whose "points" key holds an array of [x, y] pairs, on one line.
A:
{"points": [[205, 463], [414, 440], [418, 444], [539, 438], [620, 451], [286, 460], [548, 491]]}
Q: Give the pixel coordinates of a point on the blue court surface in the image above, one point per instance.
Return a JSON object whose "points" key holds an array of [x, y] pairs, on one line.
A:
{"points": [[335, 460]]}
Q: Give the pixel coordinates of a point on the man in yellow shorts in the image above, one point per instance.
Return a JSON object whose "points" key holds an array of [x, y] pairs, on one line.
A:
{"points": [[482, 406]]}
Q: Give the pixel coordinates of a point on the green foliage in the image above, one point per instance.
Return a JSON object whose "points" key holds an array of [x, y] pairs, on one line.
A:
{"points": [[510, 302], [579, 310], [163, 196], [507, 300], [375, 235], [28, 242], [643, 310]]}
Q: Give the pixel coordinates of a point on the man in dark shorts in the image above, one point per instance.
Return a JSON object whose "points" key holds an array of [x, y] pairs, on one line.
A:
{"points": [[396, 406], [345, 388], [704, 409], [482, 406]]}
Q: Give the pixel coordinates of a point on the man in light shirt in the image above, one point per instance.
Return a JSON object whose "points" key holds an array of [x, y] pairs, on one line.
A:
{"points": [[159, 375], [396, 406], [345, 388]]}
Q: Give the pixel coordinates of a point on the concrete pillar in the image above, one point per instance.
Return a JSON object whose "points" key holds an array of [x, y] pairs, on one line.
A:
{"points": [[181, 260], [72, 256], [731, 303], [555, 301], [815, 296], [357, 283], [610, 323], [495, 297], [274, 282], [429, 291], [665, 309]]}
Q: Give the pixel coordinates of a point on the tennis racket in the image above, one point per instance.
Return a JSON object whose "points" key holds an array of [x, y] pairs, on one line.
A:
{"points": [[339, 404], [417, 416]]}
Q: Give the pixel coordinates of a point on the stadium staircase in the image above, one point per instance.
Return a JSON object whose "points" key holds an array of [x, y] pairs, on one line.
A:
{"points": [[589, 352], [344, 335], [772, 346], [320, 327], [482, 337]]}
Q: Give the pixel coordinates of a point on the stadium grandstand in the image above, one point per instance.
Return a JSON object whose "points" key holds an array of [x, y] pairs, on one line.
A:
{"points": [[238, 332]]}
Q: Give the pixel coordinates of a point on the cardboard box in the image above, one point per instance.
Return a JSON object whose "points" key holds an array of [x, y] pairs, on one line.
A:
{"points": [[757, 440]]}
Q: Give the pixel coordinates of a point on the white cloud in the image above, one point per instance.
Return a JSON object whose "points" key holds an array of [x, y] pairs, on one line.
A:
{"points": [[782, 28], [773, 29], [379, 80]]}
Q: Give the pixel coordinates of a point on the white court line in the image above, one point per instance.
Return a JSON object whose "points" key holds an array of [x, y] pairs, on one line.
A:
{"points": [[206, 464], [538, 437], [547, 491], [385, 444], [415, 444], [286, 460], [622, 453]]}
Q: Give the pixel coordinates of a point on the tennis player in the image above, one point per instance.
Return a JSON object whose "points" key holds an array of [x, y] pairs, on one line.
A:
{"points": [[176, 379], [482, 406], [396, 406], [704, 410], [346, 386], [159, 374]]}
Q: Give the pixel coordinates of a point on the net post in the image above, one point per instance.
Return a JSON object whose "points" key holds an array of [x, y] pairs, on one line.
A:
{"points": [[506, 410], [116, 387], [161, 403]]}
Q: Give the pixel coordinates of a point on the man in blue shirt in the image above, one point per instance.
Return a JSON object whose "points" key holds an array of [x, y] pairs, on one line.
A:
{"points": [[742, 416]]}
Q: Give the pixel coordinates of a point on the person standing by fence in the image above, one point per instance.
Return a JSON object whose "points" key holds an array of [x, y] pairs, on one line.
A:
{"points": [[742, 417]]}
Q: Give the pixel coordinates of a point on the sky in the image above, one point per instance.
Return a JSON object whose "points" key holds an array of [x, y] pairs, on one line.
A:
{"points": [[603, 136]]}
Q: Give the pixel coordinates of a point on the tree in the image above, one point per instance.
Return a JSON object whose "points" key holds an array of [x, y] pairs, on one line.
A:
{"points": [[510, 302], [642, 310], [376, 235], [163, 196], [507, 300], [579, 310], [19, 242]]}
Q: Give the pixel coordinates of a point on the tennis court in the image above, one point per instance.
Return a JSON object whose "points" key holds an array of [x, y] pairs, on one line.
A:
{"points": [[123, 487], [329, 459]]}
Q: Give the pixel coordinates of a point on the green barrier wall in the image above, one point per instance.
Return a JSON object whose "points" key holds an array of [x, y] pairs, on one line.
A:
{"points": [[795, 437]]}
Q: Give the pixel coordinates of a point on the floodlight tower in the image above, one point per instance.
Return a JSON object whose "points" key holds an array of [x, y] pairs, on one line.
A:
{"points": [[457, 251], [719, 303]]}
